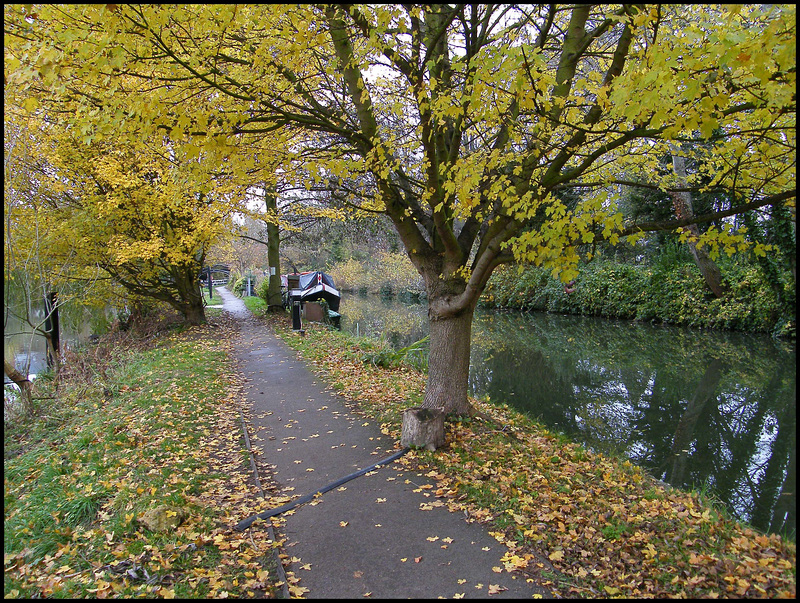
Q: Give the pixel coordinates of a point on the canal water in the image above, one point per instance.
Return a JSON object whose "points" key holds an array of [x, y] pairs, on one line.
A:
{"points": [[709, 410], [76, 325]]}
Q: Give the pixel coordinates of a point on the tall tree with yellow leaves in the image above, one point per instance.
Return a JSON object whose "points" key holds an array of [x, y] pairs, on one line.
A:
{"points": [[463, 123]]}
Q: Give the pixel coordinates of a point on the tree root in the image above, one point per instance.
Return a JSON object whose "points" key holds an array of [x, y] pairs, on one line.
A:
{"points": [[504, 429]]}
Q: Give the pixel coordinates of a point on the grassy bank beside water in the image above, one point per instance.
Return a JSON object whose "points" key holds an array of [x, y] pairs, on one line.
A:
{"points": [[583, 524], [152, 426], [127, 482]]}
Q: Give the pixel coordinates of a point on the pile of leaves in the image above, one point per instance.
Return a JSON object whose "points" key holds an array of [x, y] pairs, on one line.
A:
{"points": [[581, 523], [160, 435]]}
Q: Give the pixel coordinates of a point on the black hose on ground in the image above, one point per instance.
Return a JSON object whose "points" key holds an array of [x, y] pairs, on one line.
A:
{"points": [[246, 523]]}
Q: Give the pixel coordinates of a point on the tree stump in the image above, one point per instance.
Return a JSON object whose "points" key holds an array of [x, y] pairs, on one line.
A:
{"points": [[423, 428]]}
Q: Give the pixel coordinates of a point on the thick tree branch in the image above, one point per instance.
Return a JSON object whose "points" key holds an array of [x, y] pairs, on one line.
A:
{"points": [[708, 217]]}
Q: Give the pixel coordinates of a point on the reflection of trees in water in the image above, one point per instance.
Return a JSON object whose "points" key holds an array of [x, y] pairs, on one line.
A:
{"points": [[732, 441], [384, 318], [694, 408], [77, 322], [768, 436], [521, 380], [686, 428]]}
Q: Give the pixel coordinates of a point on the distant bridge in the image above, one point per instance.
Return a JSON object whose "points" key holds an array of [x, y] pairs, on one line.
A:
{"points": [[220, 274]]}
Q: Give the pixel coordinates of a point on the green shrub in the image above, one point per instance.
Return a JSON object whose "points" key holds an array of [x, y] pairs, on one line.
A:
{"points": [[262, 290], [674, 295], [671, 291], [238, 283], [603, 289], [750, 304], [414, 355]]}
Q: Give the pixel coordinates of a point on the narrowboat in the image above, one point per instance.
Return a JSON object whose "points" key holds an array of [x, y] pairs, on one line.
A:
{"points": [[309, 286]]}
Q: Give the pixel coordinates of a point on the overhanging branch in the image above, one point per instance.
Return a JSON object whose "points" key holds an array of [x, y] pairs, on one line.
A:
{"points": [[739, 209]]}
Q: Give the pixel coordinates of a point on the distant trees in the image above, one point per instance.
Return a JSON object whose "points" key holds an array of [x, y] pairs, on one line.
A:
{"points": [[384, 272]]}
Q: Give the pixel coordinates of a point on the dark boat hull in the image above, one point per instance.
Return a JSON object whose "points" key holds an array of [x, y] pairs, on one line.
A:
{"points": [[329, 294], [310, 287]]}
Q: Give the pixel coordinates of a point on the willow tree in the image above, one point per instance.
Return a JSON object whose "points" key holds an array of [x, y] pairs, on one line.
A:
{"points": [[465, 124]]}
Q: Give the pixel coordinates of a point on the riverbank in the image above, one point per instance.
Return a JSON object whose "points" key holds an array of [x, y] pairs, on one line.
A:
{"points": [[667, 289], [670, 292], [584, 524], [126, 482], [153, 424]]}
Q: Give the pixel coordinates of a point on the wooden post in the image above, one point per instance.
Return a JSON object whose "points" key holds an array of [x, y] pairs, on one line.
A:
{"points": [[52, 327], [423, 428]]}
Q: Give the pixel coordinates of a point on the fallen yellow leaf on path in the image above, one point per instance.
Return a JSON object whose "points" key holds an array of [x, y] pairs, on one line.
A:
{"points": [[556, 556], [297, 591]]}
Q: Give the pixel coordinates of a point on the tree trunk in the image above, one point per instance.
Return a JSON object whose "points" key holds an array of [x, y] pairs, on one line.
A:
{"points": [[423, 428], [52, 332], [684, 432], [190, 302], [448, 362], [22, 382], [194, 314], [682, 202], [274, 299]]}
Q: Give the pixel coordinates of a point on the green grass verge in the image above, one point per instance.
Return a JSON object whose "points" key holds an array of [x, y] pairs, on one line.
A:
{"points": [[255, 304], [161, 432]]}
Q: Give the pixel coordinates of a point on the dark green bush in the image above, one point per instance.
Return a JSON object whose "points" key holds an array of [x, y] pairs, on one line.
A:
{"points": [[237, 286], [675, 295], [750, 303]]}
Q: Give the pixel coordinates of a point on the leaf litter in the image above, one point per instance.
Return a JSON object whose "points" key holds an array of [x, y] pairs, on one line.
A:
{"points": [[169, 436], [578, 522]]}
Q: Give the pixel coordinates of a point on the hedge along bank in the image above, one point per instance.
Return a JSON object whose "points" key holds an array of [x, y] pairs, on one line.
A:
{"points": [[674, 294]]}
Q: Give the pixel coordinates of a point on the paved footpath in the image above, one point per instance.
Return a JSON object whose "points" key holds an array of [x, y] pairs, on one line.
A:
{"points": [[377, 536]]}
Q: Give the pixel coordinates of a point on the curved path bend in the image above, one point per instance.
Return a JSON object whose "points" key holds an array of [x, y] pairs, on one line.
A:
{"points": [[379, 535]]}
